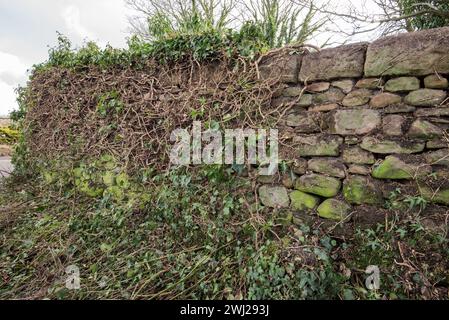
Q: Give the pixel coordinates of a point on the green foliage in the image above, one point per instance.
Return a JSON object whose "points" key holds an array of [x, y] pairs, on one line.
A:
{"points": [[280, 22], [160, 18], [207, 45], [437, 16], [8, 135], [416, 202], [283, 22], [109, 103]]}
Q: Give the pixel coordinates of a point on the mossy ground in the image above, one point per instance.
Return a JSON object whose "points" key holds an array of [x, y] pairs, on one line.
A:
{"points": [[199, 235]]}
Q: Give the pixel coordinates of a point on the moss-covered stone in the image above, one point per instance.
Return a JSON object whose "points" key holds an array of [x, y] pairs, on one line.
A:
{"points": [[318, 145], [425, 97], [299, 166], [274, 196], [357, 98], [306, 100], [361, 190], [410, 53], [304, 122], [392, 125], [331, 167], [354, 122], [267, 179], [438, 157], [359, 169], [396, 169], [318, 184], [293, 91], [344, 85], [440, 196], [393, 168], [383, 146], [422, 129], [333, 95], [358, 156], [402, 84], [302, 201], [436, 82], [334, 209]]}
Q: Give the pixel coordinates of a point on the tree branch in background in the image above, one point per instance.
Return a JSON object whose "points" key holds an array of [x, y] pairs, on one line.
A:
{"points": [[387, 16], [281, 21]]}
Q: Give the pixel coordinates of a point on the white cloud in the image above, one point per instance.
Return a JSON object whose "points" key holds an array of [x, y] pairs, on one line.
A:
{"points": [[72, 20], [12, 73], [11, 68], [7, 98]]}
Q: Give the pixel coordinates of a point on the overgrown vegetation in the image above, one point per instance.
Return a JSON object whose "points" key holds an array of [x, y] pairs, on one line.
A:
{"points": [[8, 135], [93, 188], [426, 14], [280, 22]]}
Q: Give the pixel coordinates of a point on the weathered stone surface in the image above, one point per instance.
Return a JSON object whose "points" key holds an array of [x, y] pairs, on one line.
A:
{"points": [[384, 146], [288, 180], [318, 87], [399, 108], [306, 100], [361, 190], [329, 166], [402, 84], [333, 95], [415, 54], [369, 83], [440, 196], [392, 125], [318, 145], [437, 144], [267, 179], [294, 91], [394, 168], [425, 97], [304, 122], [433, 112], [357, 98], [359, 169], [357, 155], [422, 129], [299, 166], [385, 99], [324, 107], [302, 201], [283, 65], [344, 85], [278, 101], [318, 184], [334, 209], [341, 62], [354, 122], [274, 196], [439, 157], [435, 82], [352, 140]]}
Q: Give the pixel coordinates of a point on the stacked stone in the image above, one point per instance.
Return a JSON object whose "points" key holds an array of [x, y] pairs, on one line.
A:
{"points": [[365, 115]]}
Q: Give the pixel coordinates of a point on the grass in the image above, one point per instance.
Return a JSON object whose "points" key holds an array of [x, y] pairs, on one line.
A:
{"points": [[198, 236]]}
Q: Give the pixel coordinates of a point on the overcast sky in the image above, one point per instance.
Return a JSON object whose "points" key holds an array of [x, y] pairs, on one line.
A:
{"points": [[28, 28]]}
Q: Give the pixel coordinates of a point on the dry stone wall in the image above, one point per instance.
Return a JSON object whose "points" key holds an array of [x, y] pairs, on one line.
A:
{"points": [[364, 118]]}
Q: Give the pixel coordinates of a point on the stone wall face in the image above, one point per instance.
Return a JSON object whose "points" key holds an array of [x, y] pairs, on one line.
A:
{"points": [[365, 118]]}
